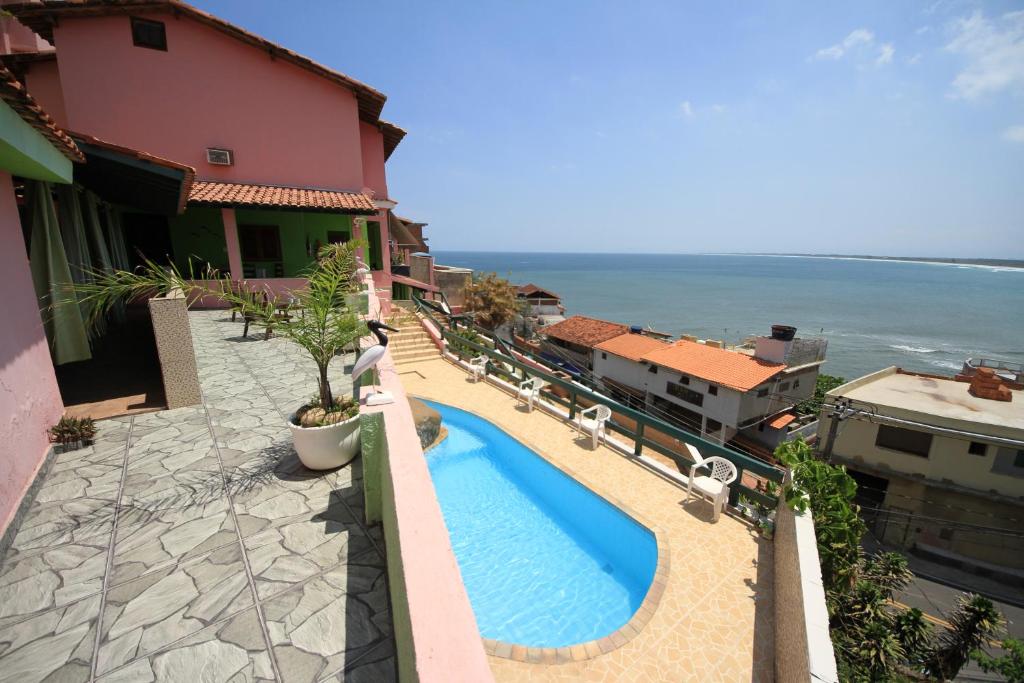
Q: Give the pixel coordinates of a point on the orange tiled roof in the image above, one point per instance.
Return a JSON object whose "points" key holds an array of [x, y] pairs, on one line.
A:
{"points": [[584, 331], [782, 420], [17, 98], [721, 366], [631, 346], [213, 193], [531, 289]]}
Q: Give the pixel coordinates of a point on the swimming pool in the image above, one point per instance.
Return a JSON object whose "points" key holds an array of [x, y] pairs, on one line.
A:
{"points": [[546, 562]]}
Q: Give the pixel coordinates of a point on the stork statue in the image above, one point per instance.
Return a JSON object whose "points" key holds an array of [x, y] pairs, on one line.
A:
{"points": [[369, 359]]}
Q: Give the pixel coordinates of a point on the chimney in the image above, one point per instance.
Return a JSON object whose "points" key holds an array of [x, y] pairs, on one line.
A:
{"points": [[985, 384]]}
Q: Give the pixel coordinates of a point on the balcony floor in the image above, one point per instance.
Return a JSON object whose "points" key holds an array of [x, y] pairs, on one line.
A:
{"points": [[192, 545], [714, 620]]}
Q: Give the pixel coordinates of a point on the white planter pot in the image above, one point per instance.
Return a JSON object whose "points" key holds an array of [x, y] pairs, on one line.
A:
{"points": [[328, 447]]}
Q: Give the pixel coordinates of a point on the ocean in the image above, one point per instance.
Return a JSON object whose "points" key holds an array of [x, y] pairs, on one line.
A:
{"points": [[921, 316]]}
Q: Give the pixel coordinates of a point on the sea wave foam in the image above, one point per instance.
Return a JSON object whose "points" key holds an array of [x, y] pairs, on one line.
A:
{"points": [[912, 349]]}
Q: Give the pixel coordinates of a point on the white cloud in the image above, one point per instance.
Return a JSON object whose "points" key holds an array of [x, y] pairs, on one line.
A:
{"points": [[718, 108], [916, 59], [994, 50], [1014, 134], [885, 53], [686, 109], [922, 30], [860, 36]]}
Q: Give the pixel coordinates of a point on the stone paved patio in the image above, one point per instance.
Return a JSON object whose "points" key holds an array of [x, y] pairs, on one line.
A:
{"points": [[191, 545]]}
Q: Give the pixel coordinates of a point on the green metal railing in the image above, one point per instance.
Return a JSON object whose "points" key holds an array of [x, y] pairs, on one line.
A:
{"points": [[504, 365]]}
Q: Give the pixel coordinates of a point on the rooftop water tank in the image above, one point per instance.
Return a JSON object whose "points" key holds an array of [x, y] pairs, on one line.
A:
{"points": [[783, 332]]}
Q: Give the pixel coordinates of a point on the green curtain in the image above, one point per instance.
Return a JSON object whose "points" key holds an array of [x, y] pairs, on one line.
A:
{"points": [[98, 243], [76, 245], [118, 250], [51, 275]]}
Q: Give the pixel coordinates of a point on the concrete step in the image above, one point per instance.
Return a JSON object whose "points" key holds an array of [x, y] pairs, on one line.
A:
{"points": [[410, 355], [413, 344]]}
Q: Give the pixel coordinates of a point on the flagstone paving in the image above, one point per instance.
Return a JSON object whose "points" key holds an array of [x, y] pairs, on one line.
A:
{"points": [[191, 544]]}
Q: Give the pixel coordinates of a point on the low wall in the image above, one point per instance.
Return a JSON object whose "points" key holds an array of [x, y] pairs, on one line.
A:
{"points": [[803, 647], [436, 636]]}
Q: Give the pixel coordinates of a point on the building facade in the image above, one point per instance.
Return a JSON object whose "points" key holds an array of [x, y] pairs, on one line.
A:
{"points": [[940, 466]]}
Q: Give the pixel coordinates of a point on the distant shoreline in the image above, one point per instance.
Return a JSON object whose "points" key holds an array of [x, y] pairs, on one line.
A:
{"points": [[1001, 263]]}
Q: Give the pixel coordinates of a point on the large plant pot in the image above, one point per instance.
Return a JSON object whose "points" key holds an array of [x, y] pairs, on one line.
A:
{"points": [[326, 448]]}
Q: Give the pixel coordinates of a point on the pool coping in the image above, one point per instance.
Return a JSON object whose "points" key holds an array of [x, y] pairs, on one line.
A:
{"points": [[625, 633]]}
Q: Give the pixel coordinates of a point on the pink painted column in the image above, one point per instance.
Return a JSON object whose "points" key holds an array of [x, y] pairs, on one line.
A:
{"points": [[30, 400], [385, 244], [227, 216]]}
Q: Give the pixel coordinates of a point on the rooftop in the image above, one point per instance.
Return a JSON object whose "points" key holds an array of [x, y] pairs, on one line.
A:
{"points": [[930, 396], [585, 331], [211, 193], [533, 290], [631, 346], [721, 366], [17, 98]]}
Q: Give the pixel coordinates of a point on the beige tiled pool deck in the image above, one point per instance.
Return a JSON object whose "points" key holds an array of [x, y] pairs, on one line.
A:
{"points": [[714, 620]]}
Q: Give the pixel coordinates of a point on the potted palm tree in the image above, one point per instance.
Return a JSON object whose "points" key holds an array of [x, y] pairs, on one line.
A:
{"points": [[325, 431]]}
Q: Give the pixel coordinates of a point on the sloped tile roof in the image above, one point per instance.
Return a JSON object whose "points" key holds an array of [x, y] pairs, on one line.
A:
{"points": [[631, 346], [721, 366], [584, 331], [213, 193], [782, 420], [17, 98], [531, 289]]}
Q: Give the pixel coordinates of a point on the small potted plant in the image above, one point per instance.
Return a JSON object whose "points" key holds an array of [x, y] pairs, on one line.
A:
{"points": [[325, 431], [73, 430]]}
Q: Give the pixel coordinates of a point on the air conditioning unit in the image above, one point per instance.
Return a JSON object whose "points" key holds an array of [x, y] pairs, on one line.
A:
{"points": [[220, 157]]}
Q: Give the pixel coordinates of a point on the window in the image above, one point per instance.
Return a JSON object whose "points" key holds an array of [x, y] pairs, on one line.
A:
{"points": [[762, 392], [688, 395], [977, 448], [151, 34], [685, 418], [260, 242], [683, 379], [604, 356], [796, 384], [653, 369], [1009, 461], [904, 440], [784, 387], [713, 390], [713, 426]]}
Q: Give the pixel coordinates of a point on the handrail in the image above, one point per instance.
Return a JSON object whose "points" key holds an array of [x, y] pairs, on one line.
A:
{"points": [[643, 420]]}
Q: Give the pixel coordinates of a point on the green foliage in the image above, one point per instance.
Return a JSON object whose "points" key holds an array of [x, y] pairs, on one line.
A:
{"points": [[326, 327], [829, 492], [69, 430], [1010, 666], [974, 622], [825, 384], [491, 300]]}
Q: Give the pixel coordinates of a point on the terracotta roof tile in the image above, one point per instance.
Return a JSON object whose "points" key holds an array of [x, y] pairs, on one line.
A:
{"points": [[531, 289], [721, 366], [14, 94], [584, 331], [631, 346], [782, 420], [213, 193]]}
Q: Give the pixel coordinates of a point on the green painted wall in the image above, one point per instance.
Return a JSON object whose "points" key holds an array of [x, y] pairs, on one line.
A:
{"points": [[373, 233], [199, 232], [295, 228], [25, 152]]}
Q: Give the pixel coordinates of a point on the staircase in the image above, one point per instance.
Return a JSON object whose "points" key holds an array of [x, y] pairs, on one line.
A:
{"points": [[411, 344]]}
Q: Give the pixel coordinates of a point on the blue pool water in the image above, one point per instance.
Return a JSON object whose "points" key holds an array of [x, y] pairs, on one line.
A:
{"points": [[546, 562]]}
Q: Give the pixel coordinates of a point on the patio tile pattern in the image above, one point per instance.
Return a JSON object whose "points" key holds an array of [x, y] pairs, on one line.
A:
{"points": [[191, 544], [714, 619]]}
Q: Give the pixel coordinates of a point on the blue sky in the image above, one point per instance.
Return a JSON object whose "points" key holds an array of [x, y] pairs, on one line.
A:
{"points": [[871, 127]]}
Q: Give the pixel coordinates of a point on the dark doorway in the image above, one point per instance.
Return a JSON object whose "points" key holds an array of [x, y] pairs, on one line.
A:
{"points": [[148, 236], [337, 237]]}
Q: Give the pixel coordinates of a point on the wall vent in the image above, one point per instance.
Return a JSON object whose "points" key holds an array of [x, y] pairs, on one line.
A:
{"points": [[220, 157]]}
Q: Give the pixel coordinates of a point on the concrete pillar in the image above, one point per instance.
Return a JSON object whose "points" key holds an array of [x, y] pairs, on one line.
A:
{"points": [[227, 216], [174, 347]]}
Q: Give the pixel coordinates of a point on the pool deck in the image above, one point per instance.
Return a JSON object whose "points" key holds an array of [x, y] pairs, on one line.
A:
{"points": [[714, 619]]}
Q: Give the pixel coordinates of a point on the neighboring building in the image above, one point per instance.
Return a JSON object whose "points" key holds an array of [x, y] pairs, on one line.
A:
{"points": [[287, 154], [570, 343], [940, 462], [746, 395], [542, 307]]}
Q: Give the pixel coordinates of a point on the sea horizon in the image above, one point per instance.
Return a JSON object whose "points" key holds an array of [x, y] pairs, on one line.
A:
{"points": [[874, 312]]}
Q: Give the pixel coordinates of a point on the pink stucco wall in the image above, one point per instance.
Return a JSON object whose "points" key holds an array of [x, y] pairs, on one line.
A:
{"points": [[286, 125], [43, 81], [372, 146], [29, 398]]}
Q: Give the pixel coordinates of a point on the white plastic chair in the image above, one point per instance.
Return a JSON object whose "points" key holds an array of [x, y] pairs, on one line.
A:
{"points": [[592, 422], [715, 484], [478, 366], [529, 391]]}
